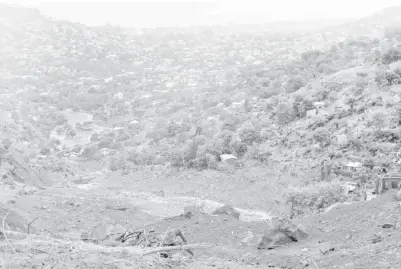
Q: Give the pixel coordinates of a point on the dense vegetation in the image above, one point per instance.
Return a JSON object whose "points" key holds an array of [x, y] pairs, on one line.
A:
{"points": [[165, 97]]}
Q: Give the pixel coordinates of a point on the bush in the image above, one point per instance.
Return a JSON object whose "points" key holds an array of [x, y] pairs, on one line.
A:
{"points": [[322, 136], [378, 120], [117, 163], [89, 152], [342, 113], [388, 135], [204, 161], [257, 152], [285, 113], [301, 106], [239, 148], [309, 199], [318, 122], [294, 84], [391, 56], [393, 31], [248, 134], [387, 78], [176, 158], [95, 137]]}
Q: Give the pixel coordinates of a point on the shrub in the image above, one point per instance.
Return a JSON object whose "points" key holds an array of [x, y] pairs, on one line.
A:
{"points": [[322, 136], [392, 55], [392, 31], [95, 137], [308, 199], [88, 152], [225, 137], [343, 112], [378, 120], [267, 93], [141, 158], [301, 106], [318, 122], [248, 134], [117, 163], [204, 161], [387, 78], [294, 84], [105, 144], [388, 135], [257, 152], [239, 147], [285, 113]]}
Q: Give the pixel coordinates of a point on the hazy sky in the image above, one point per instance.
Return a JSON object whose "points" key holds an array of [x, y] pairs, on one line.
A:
{"points": [[151, 13]]}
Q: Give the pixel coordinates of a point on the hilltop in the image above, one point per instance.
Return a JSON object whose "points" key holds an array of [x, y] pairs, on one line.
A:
{"points": [[142, 118]]}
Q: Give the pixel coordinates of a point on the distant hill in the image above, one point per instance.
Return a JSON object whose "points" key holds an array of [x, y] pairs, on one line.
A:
{"points": [[185, 98]]}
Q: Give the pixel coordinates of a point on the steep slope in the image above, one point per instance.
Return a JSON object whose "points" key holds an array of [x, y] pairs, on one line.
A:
{"points": [[162, 98], [154, 111]]}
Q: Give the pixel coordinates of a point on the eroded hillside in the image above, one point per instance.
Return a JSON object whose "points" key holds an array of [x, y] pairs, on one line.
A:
{"points": [[113, 115]]}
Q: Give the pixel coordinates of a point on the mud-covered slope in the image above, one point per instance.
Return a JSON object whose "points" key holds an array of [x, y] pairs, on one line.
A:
{"points": [[353, 235]]}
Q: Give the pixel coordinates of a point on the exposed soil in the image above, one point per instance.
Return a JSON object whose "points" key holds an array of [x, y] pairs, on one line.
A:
{"points": [[358, 235]]}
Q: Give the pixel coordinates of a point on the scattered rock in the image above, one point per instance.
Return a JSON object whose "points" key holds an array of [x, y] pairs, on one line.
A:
{"points": [[190, 211], [386, 226], [397, 196], [282, 233], [304, 262], [227, 210], [326, 248], [250, 239], [376, 238]]}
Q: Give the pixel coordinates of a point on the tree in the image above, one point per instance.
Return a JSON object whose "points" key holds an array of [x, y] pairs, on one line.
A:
{"points": [[224, 138], [285, 113], [301, 106], [294, 84], [322, 136], [378, 120], [392, 55], [248, 134]]}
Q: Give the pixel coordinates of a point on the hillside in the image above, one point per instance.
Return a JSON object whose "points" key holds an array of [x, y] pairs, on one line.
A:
{"points": [[145, 119]]}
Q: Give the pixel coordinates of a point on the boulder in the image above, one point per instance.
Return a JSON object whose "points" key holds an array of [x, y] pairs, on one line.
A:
{"points": [[282, 232], [227, 210]]}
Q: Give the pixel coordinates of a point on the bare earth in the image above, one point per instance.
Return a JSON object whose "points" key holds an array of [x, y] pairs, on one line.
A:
{"points": [[347, 236]]}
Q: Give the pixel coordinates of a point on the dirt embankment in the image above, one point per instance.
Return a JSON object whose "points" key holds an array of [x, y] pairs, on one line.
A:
{"points": [[358, 235]]}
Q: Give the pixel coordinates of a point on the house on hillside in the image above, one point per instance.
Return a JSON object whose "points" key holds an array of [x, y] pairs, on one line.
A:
{"points": [[311, 113], [318, 104], [228, 159], [353, 165]]}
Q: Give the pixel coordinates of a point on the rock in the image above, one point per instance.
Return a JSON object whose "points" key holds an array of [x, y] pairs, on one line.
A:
{"points": [[397, 196], [283, 232], [190, 211], [326, 248], [376, 238], [249, 238], [227, 210], [304, 263], [387, 225]]}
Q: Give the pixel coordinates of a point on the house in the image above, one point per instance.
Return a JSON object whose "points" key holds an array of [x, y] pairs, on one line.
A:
{"points": [[318, 104], [228, 159], [353, 166], [392, 181], [119, 96], [311, 113]]}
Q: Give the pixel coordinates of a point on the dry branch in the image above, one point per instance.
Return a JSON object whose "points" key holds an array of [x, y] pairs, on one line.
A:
{"points": [[89, 247], [183, 247], [29, 224], [5, 235]]}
